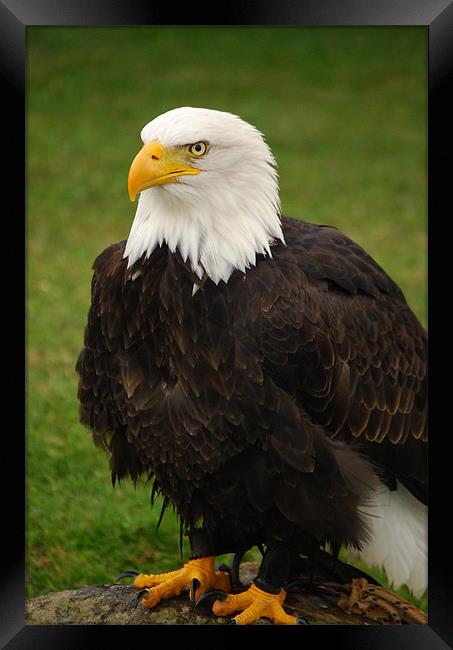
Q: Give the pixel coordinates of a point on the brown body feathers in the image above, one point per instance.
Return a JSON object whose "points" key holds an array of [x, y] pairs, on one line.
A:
{"points": [[263, 406]]}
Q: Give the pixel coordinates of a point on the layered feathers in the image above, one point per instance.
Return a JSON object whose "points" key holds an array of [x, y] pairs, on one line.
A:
{"points": [[265, 405]]}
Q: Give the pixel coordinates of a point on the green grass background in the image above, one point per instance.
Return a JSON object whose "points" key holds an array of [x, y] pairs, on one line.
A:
{"points": [[343, 109]]}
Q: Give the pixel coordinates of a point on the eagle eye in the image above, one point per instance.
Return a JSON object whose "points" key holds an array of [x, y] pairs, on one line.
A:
{"points": [[198, 149]]}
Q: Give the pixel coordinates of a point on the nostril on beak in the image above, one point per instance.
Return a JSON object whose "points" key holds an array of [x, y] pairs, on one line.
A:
{"points": [[154, 150]]}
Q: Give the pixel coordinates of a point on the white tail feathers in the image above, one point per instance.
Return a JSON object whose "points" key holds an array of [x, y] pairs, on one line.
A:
{"points": [[399, 538]]}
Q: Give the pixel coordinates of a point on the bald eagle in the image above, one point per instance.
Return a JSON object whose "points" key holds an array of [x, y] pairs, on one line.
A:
{"points": [[264, 372]]}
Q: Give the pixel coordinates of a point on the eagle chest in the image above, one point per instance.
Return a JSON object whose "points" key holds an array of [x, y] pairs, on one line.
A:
{"points": [[183, 380]]}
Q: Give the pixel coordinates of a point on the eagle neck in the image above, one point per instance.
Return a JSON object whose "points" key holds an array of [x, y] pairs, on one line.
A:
{"points": [[215, 239]]}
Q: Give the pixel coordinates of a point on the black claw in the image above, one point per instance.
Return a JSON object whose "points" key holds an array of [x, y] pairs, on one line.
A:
{"points": [[126, 574], [193, 588], [138, 597], [209, 597], [300, 620], [233, 573]]}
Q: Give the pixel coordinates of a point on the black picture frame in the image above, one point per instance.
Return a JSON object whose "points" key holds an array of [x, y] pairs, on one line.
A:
{"points": [[15, 17]]}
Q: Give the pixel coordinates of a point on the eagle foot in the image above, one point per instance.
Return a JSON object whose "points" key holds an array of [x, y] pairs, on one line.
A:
{"points": [[253, 604], [197, 575]]}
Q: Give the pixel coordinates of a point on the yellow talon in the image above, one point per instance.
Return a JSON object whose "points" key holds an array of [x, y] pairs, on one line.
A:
{"points": [[255, 603], [167, 585]]}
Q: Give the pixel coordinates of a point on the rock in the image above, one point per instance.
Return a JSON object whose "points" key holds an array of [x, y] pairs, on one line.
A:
{"points": [[108, 605], [113, 604]]}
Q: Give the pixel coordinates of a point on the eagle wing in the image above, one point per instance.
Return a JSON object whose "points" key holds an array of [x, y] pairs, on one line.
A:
{"points": [[338, 336], [104, 370]]}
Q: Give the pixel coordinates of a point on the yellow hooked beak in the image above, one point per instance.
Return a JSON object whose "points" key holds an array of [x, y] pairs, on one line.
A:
{"points": [[156, 165]]}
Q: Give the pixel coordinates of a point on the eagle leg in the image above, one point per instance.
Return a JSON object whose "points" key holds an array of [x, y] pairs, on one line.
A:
{"points": [[264, 598], [198, 575]]}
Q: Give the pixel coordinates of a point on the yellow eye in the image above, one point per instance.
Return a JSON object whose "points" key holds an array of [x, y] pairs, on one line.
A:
{"points": [[198, 149]]}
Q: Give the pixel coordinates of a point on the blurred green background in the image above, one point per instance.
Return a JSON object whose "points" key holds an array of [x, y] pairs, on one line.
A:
{"points": [[343, 110]]}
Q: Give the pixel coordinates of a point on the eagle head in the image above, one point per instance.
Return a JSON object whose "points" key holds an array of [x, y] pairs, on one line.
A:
{"points": [[208, 189]]}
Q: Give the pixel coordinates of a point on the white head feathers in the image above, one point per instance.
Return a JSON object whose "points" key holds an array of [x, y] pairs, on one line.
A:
{"points": [[221, 218]]}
